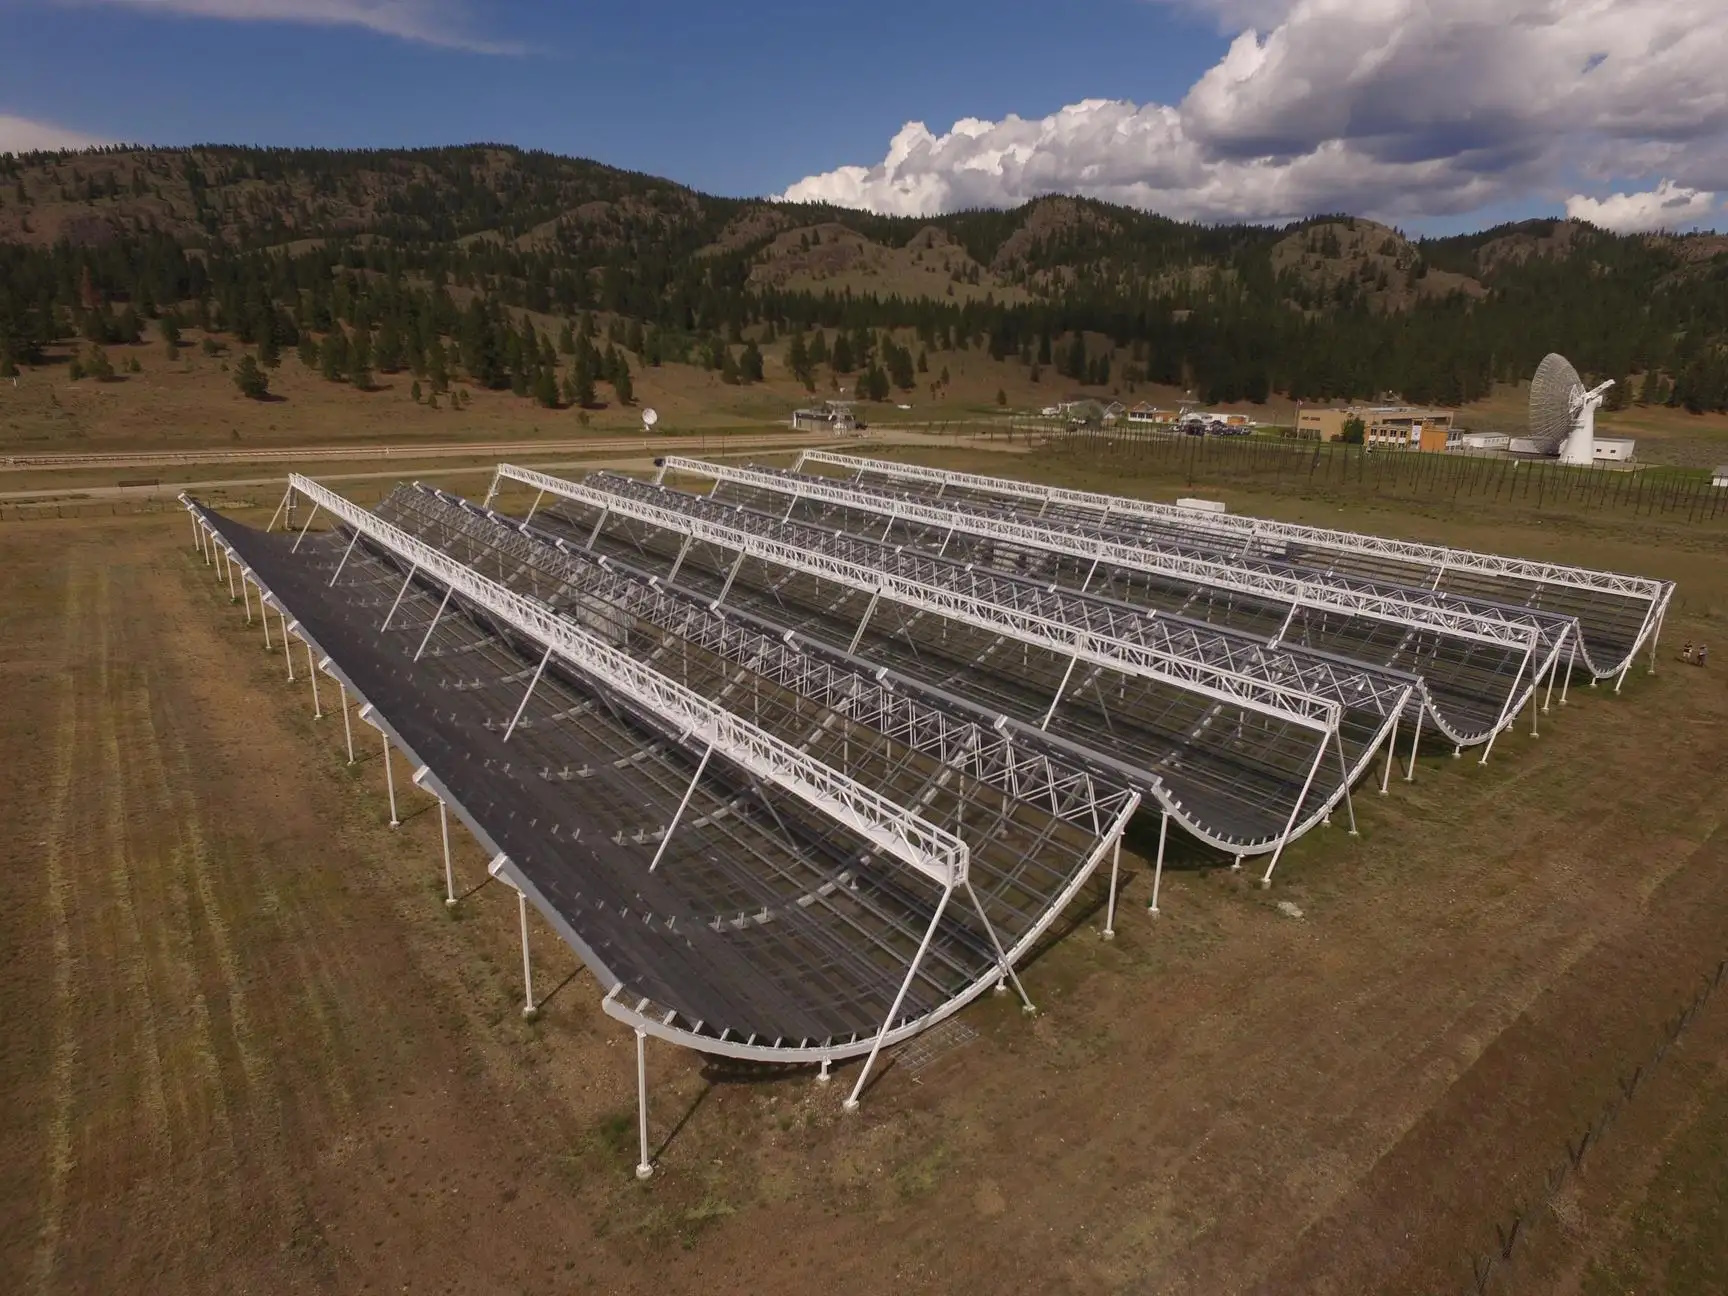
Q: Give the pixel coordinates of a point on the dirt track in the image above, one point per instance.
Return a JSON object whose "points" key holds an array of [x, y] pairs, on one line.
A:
{"points": [[250, 1051]]}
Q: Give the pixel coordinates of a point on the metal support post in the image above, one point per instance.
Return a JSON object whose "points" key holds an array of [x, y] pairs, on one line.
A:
{"points": [[824, 1075], [1090, 573], [406, 582], [304, 529], [390, 780], [869, 609], [286, 496], [1535, 732], [851, 1103], [595, 533], [264, 616], [1553, 670], [1158, 868], [347, 726], [1506, 711], [286, 655], [449, 870], [1344, 774], [1415, 742], [534, 507], [312, 670], [1060, 688], [666, 838], [1295, 812], [1007, 968], [1621, 677], [433, 623], [730, 577], [1109, 932], [228, 570], [1391, 751], [683, 549], [1571, 661], [644, 1167], [523, 705], [246, 596], [1655, 638], [529, 1010], [339, 566]]}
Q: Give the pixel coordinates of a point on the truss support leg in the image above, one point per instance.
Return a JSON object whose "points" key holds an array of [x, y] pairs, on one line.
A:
{"points": [[1090, 573], [644, 1167], [433, 623], [529, 1009], [1535, 720], [228, 570], [1548, 697], [1344, 774], [339, 566], [1060, 689], [1621, 677], [286, 496], [1158, 869], [824, 1075], [1655, 637], [863, 621], [390, 780], [264, 616], [246, 597], [683, 549], [731, 576], [303, 530], [666, 839], [595, 533], [347, 725], [1391, 752], [943, 551], [312, 670], [1571, 660], [449, 869], [1109, 932], [1295, 813], [1002, 962], [534, 507], [851, 1103], [286, 655], [406, 582], [523, 704], [1415, 742]]}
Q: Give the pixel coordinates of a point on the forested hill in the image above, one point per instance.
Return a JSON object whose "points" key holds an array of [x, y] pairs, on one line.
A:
{"points": [[408, 247]]}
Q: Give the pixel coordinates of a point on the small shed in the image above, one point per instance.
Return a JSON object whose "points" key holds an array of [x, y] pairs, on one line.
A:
{"points": [[1720, 477]]}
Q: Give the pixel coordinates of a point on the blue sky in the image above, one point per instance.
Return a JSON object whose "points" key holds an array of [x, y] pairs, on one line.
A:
{"points": [[735, 99], [1433, 114]]}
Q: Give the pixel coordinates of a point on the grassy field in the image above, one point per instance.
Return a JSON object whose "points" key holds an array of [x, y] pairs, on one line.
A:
{"points": [[250, 1049]]}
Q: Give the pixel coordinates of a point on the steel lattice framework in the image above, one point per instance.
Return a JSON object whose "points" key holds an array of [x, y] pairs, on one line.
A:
{"points": [[870, 570], [1215, 664], [1618, 612], [892, 828]]}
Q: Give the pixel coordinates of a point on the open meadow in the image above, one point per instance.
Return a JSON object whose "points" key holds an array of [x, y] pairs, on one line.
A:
{"points": [[250, 1050]]}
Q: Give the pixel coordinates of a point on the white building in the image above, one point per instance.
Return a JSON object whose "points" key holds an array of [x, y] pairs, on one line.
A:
{"points": [[1612, 449], [1720, 476]]}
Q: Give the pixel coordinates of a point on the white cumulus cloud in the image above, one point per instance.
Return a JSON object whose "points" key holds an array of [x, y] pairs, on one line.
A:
{"points": [[24, 135], [447, 23], [1666, 207], [1399, 108]]}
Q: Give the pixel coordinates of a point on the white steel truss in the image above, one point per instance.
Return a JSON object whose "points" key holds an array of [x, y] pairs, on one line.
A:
{"points": [[1420, 610], [643, 1015], [1013, 764], [1439, 556], [891, 828], [1155, 661]]}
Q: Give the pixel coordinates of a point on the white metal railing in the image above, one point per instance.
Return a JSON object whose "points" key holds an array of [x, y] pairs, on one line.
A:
{"points": [[1512, 631], [1431, 555], [886, 825], [1269, 698]]}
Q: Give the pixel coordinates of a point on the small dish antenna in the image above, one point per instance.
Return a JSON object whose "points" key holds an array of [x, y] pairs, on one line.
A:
{"points": [[649, 418]]}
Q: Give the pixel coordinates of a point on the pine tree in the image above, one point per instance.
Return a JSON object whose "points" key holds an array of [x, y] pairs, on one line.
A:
{"points": [[437, 369], [1076, 358], [842, 362], [308, 350], [582, 376], [546, 389], [250, 378], [360, 360], [728, 367], [566, 340], [169, 328], [333, 355], [622, 387], [798, 361], [750, 364], [819, 349]]}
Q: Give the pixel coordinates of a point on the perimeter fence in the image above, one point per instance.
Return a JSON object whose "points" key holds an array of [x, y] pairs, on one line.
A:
{"points": [[1509, 1232], [1292, 465]]}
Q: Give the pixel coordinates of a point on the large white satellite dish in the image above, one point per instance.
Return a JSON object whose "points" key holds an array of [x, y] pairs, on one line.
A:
{"points": [[649, 418], [1562, 412]]}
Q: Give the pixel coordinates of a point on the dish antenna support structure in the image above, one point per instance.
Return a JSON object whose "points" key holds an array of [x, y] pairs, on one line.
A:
{"points": [[1563, 411]]}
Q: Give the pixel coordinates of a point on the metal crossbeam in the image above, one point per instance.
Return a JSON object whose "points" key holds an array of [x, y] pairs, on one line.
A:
{"points": [[1248, 528], [1296, 705], [1346, 596], [890, 827]]}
